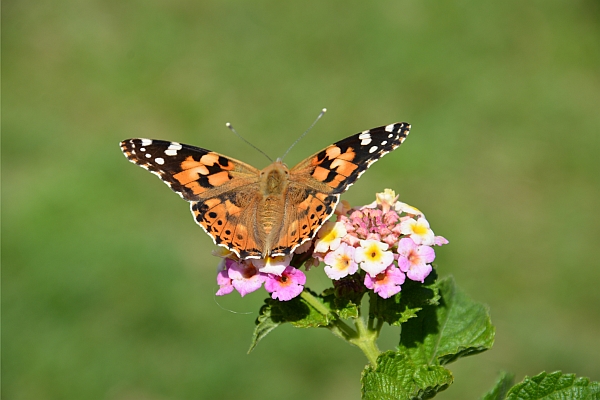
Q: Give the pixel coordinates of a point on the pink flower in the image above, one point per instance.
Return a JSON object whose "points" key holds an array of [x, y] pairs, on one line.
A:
{"points": [[387, 283], [414, 259], [373, 257], [245, 276], [287, 286], [440, 240], [224, 282], [340, 262]]}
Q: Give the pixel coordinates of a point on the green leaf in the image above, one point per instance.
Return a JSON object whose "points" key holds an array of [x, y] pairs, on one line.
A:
{"points": [[344, 307], [457, 327], [297, 311], [405, 305], [398, 377], [264, 325], [501, 387], [555, 386]]}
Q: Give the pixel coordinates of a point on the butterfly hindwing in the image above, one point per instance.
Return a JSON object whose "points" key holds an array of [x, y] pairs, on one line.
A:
{"points": [[230, 219], [306, 210]]}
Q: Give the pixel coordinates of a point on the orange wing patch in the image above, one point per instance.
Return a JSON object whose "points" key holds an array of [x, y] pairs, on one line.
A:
{"points": [[205, 174]]}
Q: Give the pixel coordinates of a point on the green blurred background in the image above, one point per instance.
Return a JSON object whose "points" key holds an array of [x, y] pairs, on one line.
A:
{"points": [[108, 284]]}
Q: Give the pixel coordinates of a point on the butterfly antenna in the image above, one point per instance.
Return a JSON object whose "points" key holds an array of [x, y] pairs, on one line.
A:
{"points": [[323, 111], [231, 311], [240, 136]]}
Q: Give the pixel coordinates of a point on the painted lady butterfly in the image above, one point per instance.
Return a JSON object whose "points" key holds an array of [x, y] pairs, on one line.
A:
{"points": [[270, 212]]}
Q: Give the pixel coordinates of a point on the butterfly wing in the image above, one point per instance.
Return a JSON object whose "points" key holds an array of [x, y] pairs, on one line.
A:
{"points": [[222, 190], [317, 182]]}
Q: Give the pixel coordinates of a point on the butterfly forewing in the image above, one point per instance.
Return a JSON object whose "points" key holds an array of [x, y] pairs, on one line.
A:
{"points": [[194, 173], [341, 164]]}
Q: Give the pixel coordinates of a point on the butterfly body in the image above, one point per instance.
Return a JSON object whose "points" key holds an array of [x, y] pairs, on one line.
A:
{"points": [[269, 212]]}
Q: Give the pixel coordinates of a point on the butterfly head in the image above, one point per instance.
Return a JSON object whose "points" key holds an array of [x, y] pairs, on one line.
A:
{"points": [[274, 178]]}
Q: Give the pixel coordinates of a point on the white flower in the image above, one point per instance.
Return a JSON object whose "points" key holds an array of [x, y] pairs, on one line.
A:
{"points": [[373, 257], [330, 236], [418, 230], [272, 265]]}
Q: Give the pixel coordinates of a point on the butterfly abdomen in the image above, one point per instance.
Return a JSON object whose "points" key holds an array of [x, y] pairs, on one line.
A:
{"points": [[274, 181]]}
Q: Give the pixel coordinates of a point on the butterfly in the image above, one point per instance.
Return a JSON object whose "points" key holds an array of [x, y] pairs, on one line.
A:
{"points": [[270, 212]]}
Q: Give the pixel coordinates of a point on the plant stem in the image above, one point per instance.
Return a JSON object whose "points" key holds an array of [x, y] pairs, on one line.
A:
{"points": [[363, 337], [337, 326], [366, 340], [310, 299]]}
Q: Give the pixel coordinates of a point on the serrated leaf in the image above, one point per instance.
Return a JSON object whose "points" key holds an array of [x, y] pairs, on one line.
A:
{"points": [[405, 305], [457, 327], [555, 386], [501, 388], [397, 377], [302, 314], [264, 325]]}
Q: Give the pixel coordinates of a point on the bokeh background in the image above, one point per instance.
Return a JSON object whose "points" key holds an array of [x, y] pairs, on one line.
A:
{"points": [[108, 284]]}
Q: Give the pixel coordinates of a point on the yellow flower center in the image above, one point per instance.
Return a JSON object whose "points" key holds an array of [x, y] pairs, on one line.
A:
{"points": [[373, 253], [329, 236], [343, 262], [419, 229]]}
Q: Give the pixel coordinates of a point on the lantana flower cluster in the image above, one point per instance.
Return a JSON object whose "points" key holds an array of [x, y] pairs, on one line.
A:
{"points": [[385, 242]]}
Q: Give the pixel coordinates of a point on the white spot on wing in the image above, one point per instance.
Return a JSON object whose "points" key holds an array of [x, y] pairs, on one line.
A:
{"points": [[389, 128], [173, 148], [384, 143], [365, 138], [142, 149], [373, 149], [391, 135], [148, 155], [159, 160], [146, 142]]}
